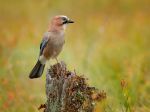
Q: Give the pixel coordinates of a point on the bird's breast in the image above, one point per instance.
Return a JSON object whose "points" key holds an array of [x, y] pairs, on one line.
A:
{"points": [[55, 44], [57, 39]]}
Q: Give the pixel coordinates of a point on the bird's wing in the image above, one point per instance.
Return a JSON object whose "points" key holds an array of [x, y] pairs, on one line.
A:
{"points": [[44, 43]]}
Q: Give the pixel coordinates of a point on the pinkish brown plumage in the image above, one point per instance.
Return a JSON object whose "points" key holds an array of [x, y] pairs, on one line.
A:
{"points": [[52, 43]]}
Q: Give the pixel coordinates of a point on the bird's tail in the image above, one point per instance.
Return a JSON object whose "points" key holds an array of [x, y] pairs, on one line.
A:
{"points": [[37, 70]]}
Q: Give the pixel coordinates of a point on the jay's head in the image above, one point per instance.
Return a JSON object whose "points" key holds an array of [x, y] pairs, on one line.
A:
{"points": [[60, 22]]}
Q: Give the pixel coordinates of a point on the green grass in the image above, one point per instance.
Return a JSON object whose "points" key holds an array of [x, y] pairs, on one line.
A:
{"points": [[108, 42]]}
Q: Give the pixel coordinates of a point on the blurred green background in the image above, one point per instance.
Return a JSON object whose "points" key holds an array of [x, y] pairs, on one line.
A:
{"points": [[109, 42]]}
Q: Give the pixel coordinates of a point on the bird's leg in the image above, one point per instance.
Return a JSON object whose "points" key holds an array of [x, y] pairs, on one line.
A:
{"points": [[57, 64], [56, 59]]}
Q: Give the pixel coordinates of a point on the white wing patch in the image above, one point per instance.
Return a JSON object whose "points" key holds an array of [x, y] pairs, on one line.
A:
{"points": [[42, 59]]}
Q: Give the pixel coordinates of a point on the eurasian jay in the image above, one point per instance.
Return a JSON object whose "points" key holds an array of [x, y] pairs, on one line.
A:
{"points": [[51, 44]]}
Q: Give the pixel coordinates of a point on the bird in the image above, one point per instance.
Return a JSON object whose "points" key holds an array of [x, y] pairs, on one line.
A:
{"points": [[52, 44]]}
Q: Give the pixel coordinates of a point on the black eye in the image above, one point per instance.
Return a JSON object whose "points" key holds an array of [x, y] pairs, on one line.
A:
{"points": [[64, 19]]}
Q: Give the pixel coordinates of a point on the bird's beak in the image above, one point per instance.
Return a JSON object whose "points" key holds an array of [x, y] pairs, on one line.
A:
{"points": [[70, 21]]}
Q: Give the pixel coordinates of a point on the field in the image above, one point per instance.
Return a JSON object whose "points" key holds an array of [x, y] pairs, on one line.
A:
{"points": [[109, 43]]}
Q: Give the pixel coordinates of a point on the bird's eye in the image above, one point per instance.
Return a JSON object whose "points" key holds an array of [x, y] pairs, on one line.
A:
{"points": [[64, 19]]}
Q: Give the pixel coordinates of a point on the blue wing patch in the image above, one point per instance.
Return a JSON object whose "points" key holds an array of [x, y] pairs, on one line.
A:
{"points": [[43, 44]]}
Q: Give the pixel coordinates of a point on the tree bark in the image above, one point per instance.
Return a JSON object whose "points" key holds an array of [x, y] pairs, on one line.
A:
{"points": [[68, 92]]}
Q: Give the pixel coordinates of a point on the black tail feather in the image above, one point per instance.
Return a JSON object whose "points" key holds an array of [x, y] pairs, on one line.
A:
{"points": [[37, 70]]}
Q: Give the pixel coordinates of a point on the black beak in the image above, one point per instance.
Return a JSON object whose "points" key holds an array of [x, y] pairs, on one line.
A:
{"points": [[70, 21]]}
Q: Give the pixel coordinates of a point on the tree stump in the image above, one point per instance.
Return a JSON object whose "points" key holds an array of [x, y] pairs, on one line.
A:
{"points": [[68, 92]]}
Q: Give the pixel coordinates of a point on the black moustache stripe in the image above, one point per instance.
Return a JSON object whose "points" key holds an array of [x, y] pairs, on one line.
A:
{"points": [[65, 22]]}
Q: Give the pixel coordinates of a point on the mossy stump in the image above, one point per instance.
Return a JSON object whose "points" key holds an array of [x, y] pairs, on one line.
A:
{"points": [[68, 92]]}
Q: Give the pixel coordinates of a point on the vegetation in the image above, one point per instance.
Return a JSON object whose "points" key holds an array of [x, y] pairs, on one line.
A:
{"points": [[109, 43], [68, 92]]}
